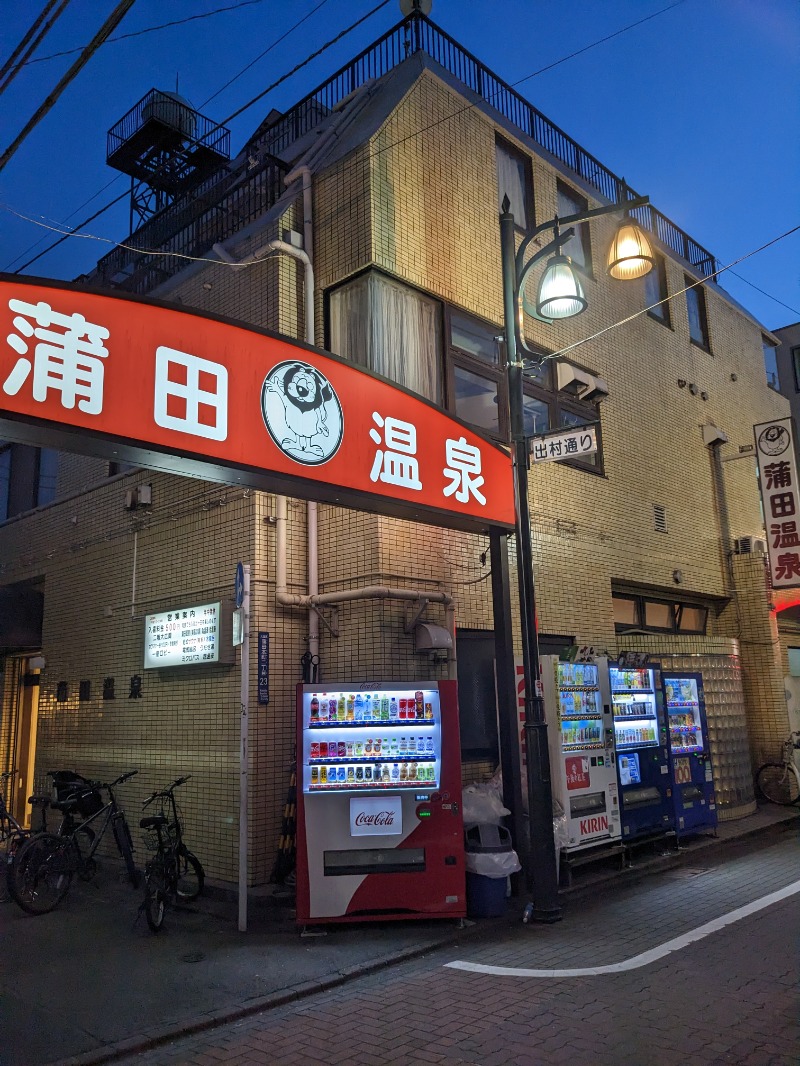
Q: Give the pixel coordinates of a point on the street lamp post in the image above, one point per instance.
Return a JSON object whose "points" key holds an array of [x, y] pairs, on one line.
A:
{"points": [[560, 296]]}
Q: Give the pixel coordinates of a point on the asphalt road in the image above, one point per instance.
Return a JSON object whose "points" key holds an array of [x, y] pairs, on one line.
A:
{"points": [[700, 965]]}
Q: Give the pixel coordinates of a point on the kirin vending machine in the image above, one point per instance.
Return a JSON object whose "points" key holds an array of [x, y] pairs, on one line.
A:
{"points": [[379, 827], [693, 798], [581, 742], [642, 759]]}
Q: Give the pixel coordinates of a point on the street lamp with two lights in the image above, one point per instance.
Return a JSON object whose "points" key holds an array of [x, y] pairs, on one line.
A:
{"points": [[560, 295]]}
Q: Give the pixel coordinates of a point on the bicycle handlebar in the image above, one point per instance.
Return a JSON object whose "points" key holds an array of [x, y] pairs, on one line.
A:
{"points": [[166, 792]]}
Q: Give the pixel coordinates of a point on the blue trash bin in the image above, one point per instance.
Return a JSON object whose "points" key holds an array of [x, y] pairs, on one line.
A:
{"points": [[486, 895]]}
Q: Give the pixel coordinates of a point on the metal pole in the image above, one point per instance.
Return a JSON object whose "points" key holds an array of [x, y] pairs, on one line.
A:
{"points": [[542, 874], [243, 752]]}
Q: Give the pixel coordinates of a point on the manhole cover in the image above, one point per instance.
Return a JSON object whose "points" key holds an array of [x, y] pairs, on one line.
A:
{"points": [[193, 956]]}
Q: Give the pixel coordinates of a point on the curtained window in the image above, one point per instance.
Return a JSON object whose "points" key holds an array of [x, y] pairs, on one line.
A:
{"points": [[514, 181], [391, 329]]}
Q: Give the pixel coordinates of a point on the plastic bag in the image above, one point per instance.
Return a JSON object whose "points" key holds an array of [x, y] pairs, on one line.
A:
{"points": [[483, 804], [492, 864]]}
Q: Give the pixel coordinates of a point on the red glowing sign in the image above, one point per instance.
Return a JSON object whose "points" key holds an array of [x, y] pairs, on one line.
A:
{"points": [[189, 393]]}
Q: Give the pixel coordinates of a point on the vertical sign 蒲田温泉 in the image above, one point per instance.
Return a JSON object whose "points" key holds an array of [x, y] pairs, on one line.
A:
{"points": [[263, 667], [780, 495]]}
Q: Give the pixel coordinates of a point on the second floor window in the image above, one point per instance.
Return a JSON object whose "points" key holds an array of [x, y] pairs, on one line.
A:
{"points": [[696, 311], [389, 328], [771, 364], [655, 291]]}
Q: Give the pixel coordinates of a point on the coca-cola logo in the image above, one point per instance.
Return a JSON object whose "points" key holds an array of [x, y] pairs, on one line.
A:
{"points": [[378, 818]]}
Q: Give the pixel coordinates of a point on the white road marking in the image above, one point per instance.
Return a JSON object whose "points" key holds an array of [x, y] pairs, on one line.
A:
{"points": [[647, 956]]}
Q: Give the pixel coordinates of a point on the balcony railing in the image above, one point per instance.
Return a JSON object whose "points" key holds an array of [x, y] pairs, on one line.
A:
{"points": [[415, 33]]}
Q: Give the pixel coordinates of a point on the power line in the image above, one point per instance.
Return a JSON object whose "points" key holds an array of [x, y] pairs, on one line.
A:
{"points": [[111, 22], [73, 231], [149, 29], [765, 293], [35, 36], [266, 51]]}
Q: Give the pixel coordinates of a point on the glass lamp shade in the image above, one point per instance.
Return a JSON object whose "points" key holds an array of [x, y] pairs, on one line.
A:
{"points": [[560, 291], [630, 255]]}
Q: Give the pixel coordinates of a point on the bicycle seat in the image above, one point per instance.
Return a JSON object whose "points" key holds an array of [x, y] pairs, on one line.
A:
{"points": [[153, 821], [38, 801], [65, 806]]}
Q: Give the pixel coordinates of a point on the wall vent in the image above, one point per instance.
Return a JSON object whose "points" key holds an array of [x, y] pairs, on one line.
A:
{"points": [[659, 518]]}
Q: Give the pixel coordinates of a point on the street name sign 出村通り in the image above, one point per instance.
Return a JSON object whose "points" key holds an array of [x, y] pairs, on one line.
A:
{"points": [[197, 395], [564, 444]]}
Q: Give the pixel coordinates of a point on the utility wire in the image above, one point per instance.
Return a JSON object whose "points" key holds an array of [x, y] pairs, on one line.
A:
{"points": [[150, 29], [108, 26], [266, 51], [11, 67], [73, 231], [765, 293]]}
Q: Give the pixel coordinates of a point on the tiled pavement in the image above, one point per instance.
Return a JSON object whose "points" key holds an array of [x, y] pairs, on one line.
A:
{"points": [[730, 998]]}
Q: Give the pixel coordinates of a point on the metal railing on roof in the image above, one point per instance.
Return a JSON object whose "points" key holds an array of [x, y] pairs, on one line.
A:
{"points": [[414, 34]]}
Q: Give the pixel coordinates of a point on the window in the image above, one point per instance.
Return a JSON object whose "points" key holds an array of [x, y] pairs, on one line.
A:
{"points": [[696, 311], [577, 247], [47, 474], [796, 367], [478, 390], [658, 616], [771, 364], [28, 478], [514, 181], [390, 328], [5, 479], [794, 661], [655, 290]]}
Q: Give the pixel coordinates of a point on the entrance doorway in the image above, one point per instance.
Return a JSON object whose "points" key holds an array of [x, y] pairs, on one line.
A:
{"points": [[22, 703]]}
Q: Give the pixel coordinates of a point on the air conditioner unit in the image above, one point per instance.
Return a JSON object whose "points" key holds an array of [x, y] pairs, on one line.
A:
{"points": [[580, 383], [750, 545]]}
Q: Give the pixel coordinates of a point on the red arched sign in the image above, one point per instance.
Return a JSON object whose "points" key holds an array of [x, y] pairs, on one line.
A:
{"points": [[195, 394]]}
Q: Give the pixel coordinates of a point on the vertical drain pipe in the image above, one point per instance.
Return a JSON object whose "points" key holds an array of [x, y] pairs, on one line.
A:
{"points": [[312, 508]]}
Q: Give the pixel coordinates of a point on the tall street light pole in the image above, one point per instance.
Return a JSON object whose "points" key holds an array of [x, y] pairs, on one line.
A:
{"points": [[560, 296]]}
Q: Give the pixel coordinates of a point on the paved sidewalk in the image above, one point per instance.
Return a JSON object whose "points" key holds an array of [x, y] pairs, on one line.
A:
{"points": [[89, 982]]}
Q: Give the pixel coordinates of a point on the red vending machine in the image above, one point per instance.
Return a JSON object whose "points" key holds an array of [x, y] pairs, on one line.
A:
{"points": [[379, 828]]}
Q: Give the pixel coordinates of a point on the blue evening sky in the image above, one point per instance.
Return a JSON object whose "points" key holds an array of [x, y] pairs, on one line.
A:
{"points": [[698, 107]]}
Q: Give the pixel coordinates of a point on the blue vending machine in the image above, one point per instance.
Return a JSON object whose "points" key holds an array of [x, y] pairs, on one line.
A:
{"points": [[641, 752], [691, 773]]}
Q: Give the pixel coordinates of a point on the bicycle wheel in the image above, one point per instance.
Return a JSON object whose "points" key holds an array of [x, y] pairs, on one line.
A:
{"points": [[191, 876], [155, 894], [41, 873], [778, 784], [122, 835], [8, 850]]}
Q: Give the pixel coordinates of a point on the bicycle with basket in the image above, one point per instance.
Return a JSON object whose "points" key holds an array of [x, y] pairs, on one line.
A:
{"points": [[173, 873], [44, 866]]}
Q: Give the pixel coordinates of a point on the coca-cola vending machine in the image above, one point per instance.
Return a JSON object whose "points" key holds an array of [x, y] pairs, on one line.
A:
{"points": [[379, 827]]}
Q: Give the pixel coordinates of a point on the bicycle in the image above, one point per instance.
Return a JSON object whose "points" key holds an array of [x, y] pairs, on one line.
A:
{"points": [[12, 833], [45, 864], [174, 873], [780, 782]]}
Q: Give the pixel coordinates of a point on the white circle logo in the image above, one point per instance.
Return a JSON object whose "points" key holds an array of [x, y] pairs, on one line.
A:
{"points": [[302, 412], [773, 440]]}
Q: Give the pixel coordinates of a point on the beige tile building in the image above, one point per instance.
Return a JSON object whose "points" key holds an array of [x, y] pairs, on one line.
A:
{"points": [[643, 546]]}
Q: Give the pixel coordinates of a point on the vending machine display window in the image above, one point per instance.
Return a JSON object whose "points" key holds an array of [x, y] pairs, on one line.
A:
{"points": [[634, 702], [580, 707], [683, 715], [362, 741]]}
